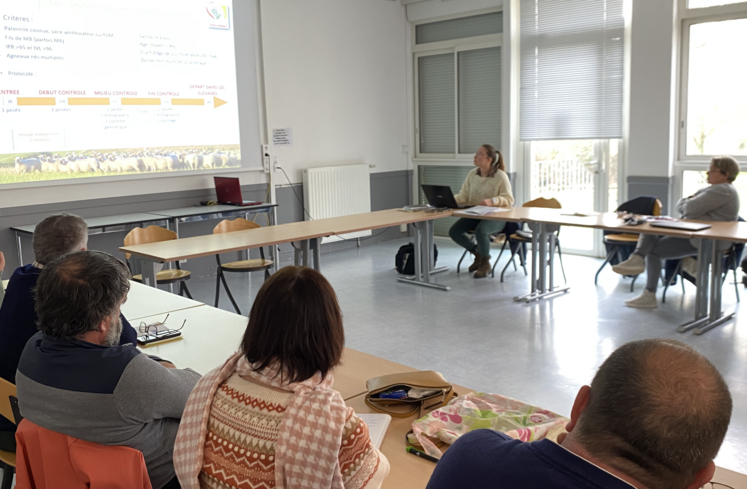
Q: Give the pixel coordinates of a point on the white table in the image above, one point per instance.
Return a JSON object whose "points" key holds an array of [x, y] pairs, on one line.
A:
{"points": [[143, 301]]}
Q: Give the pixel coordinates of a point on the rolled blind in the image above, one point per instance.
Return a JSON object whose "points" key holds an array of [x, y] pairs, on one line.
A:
{"points": [[446, 30], [436, 100], [453, 176], [479, 99], [571, 69]]}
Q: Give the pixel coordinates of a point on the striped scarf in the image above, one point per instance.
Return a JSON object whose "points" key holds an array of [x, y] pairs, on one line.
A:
{"points": [[306, 452]]}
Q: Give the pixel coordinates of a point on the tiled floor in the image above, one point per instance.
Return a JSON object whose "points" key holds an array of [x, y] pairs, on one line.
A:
{"points": [[477, 336]]}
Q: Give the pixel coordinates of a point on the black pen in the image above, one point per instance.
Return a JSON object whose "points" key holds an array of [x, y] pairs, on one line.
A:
{"points": [[420, 454]]}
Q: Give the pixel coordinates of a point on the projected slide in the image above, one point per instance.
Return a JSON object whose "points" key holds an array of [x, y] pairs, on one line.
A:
{"points": [[110, 87]]}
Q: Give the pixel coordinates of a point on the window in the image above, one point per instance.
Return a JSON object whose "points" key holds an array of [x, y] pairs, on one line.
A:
{"points": [[716, 101], [710, 3], [458, 67], [572, 69]]}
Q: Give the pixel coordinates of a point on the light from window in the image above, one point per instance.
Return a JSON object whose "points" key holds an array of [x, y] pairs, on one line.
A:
{"points": [[710, 3], [716, 97]]}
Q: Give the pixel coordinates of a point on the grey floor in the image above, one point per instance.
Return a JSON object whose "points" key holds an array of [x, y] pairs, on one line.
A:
{"points": [[478, 337]]}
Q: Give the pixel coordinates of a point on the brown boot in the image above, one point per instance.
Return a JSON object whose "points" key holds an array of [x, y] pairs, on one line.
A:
{"points": [[476, 264], [484, 268]]}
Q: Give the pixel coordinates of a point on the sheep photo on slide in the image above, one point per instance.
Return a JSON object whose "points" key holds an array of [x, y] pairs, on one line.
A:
{"points": [[27, 167]]}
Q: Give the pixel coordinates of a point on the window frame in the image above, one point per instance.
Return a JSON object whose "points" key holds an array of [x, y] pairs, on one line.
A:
{"points": [[454, 47], [688, 18]]}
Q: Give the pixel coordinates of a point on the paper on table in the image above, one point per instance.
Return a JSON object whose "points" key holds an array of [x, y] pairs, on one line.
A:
{"points": [[482, 210], [377, 426]]}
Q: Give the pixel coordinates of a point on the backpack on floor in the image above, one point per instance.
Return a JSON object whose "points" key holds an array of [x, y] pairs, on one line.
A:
{"points": [[404, 261]]}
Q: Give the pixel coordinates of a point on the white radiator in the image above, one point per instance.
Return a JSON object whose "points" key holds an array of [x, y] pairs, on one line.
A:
{"points": [[337, 191]]}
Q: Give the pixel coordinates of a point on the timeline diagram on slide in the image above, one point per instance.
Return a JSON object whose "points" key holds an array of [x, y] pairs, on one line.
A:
{"points": [[103, 87]]}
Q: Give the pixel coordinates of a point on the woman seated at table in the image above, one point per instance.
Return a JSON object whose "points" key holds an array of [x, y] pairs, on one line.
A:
{"points": [[718, 202], [486, 185], [269, 416]]}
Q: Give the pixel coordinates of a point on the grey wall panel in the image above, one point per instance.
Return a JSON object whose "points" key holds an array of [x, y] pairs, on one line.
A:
{"points": [[391, 189], [659, 187]]}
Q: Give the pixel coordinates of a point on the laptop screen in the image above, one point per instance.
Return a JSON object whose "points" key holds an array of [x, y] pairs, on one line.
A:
{"points": [[228, 190]]}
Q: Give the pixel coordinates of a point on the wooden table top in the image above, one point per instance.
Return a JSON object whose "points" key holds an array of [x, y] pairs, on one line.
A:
{"points": [[406, 470], [729, 231], [211, 244]]}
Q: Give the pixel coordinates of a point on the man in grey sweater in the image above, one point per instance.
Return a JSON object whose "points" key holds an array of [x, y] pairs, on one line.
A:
{"points": [[74, 378], [718, 202]]}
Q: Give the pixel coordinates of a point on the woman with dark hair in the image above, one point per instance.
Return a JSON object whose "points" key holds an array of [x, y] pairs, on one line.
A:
{"points": [[486, 185], [269, 417]]}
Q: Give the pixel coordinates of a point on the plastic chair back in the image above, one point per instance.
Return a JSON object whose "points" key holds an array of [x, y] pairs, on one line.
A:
{"points": [[151, 234], [238, 224]]}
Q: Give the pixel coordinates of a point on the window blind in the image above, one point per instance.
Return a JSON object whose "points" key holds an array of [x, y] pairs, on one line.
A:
{"points": [[479, 99], [571, 69], [436, 100], [446, 30], [453, 176]]}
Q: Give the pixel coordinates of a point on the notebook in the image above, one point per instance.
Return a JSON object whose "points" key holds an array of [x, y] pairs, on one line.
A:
{"points": [[685, 226], [377, 426], [483, 210]]}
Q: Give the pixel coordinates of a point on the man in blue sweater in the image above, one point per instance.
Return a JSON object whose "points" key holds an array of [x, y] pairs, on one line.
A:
{"points": [[654, 418], [53, 237]]}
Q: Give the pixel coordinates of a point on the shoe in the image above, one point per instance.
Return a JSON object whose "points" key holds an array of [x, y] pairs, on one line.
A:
{"points": [[690, 266], [484, 268], [475, 264], [632, 266], [647, 300]]}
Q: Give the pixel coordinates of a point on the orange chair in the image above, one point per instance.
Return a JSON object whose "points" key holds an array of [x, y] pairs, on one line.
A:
{"points": [[9, 412], [51, 460]]}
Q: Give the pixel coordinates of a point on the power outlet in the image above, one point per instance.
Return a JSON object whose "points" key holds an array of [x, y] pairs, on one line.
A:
{"points": [[182, 262], [265, 158], [403, 228]]}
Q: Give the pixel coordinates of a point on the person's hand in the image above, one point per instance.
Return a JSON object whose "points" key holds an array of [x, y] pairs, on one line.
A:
{"points": [[487, 202], [167, 364], [2, 261]]}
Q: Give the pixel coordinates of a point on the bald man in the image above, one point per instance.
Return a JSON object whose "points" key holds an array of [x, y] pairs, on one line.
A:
{"points": [[654, 417]]}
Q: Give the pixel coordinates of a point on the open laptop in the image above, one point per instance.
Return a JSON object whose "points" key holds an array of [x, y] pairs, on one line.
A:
{"points": [[441, 196], [228, 190], [685, 226]]}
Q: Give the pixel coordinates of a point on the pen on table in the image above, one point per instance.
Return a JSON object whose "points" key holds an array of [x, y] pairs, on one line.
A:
{"points": [[420, 454]]}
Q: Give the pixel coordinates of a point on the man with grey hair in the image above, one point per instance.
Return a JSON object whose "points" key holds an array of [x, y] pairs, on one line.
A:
{"points": [[75, 378], [654, 417], [53, 237]]}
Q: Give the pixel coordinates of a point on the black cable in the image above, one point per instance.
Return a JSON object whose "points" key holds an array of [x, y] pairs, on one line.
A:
{"points": [[296, 194]]}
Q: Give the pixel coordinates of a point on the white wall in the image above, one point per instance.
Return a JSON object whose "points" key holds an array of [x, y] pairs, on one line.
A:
{"points": [[651, 88], [335, 72]]}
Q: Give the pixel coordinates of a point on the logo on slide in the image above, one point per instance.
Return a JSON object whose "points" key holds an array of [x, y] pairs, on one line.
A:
{"points": [[218, 16]]}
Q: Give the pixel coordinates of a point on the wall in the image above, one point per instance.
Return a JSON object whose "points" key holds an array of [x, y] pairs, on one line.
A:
{"points": [[335, 72], [650, 152]]}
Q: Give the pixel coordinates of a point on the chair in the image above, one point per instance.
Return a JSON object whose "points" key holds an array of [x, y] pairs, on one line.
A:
{"points": [[51, 460], [511, 228], [731, 262], [620, 246], [242, 266], [7, 411], [518, 239], [155, 234]]}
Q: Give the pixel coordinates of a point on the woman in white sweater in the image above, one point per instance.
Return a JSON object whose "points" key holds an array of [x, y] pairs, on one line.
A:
{"points": [[487, 185]]}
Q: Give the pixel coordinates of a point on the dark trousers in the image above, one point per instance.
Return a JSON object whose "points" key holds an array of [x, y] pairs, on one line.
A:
{"points": [[8, 441], [173, 484]]}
